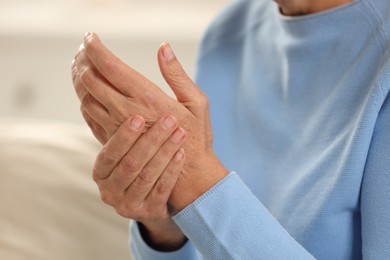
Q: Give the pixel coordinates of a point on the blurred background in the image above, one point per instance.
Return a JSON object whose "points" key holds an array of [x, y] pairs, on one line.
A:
{"points": [[38, 39]]}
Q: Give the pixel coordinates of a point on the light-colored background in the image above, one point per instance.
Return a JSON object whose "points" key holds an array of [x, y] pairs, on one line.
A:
{"points": [[39, 38]]}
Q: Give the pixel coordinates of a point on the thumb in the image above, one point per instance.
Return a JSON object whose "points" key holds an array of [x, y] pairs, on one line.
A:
{"points": [[182, 86]]}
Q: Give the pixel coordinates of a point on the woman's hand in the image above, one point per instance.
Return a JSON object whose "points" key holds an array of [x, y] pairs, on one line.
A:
{"points": [[110, 91], [136, 174]]}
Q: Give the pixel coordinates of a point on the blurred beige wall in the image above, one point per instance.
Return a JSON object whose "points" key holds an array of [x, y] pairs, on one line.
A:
{"points": [[39, 38]]}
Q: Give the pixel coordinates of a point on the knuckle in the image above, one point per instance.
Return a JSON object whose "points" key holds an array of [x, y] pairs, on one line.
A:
{"points": [[120, 113], [203, 100], [86, 76], [176, 78], [145, 178], [162, 185], [154, 212], [123, 211], [106, 197], [149, 100], [176, 71], [86, 99], [107, 157], [95, 175], [129, 163]]}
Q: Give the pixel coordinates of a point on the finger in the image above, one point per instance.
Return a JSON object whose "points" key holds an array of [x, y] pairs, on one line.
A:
{"points": [[109, 119], [89, 103], [159, 196], [117, 147], [80, 63], [128, 81], [181, 84], [95, 110], [98, 131], [77, 84], [152, 171], [74, 69], [103, 92], [93, 82], [129, 168], [81, 60]]}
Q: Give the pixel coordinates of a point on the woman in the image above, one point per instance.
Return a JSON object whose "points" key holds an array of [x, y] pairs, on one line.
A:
{"points": [[298, 93]]}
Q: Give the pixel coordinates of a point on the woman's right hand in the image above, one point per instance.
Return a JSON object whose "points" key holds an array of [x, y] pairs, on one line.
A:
{"points": [[136, 174]]}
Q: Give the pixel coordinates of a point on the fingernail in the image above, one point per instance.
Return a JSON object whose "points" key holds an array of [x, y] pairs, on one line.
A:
{"points": [[87, 35], [178, 135], [81, 47], [169, 122], [136, 122], [180, 154], [167, 51]]}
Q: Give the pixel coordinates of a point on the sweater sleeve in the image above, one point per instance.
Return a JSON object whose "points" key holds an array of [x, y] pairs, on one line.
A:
{"points": [[375, 194], [229, 222]]}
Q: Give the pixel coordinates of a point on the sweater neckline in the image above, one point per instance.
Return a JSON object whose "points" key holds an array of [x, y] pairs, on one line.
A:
{"points": [[338, 17]]}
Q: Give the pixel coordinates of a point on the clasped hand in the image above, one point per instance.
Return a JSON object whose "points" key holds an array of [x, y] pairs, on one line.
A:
{"points": [[112, 95]]}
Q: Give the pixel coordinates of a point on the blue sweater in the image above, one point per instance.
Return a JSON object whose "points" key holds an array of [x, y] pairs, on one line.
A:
{"points": [[301, 114]]}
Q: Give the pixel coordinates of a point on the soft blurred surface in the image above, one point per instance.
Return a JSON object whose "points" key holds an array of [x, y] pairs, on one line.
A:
{"points": [[38, 40], [49, 205]]}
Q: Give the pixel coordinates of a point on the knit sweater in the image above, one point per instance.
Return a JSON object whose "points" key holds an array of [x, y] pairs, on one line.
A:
{"points": [[301, 116]]}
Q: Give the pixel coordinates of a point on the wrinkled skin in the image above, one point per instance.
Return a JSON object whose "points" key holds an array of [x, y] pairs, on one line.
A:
{"points": [[111, 91]]}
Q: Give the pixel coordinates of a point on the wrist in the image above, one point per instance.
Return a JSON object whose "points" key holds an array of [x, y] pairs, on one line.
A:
{"points": [[164, 236], [200, 174]]}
